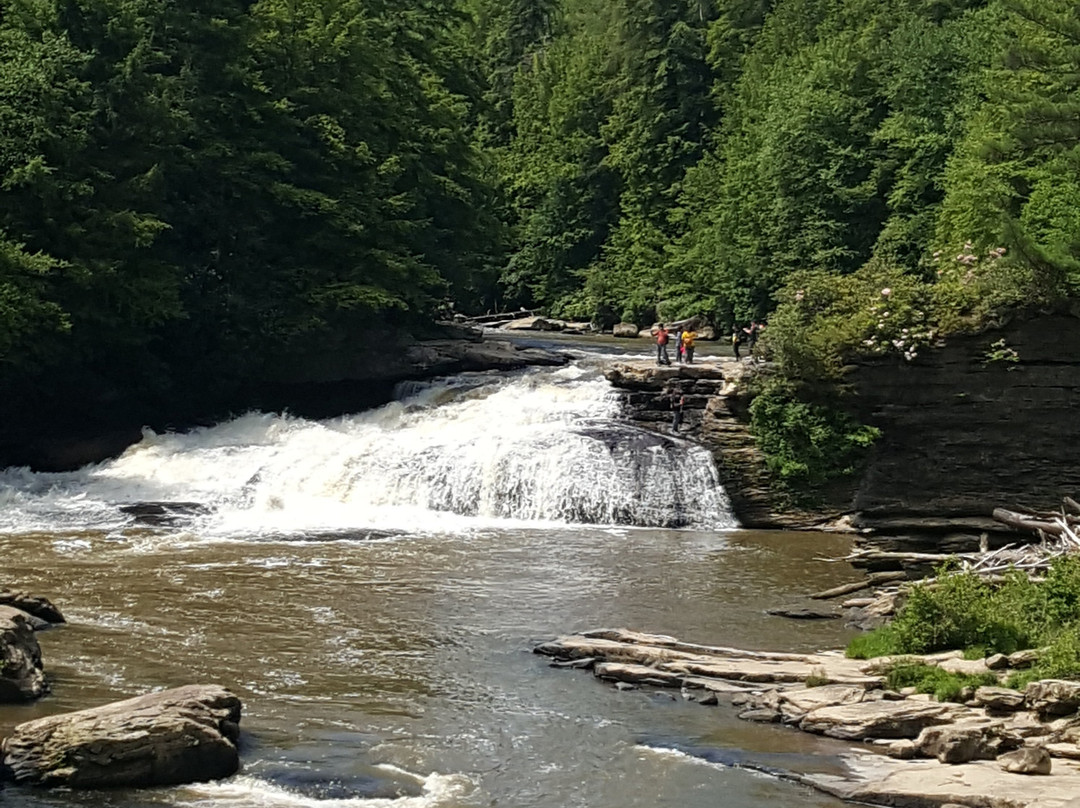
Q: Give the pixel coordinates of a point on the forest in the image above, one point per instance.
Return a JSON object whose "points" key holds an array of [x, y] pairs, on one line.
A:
{"points": [[189, 190]]}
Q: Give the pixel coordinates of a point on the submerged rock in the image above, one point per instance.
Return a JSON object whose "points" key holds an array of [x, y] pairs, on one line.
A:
{"points": [[187, 734], [163, 514], [22, 677]]}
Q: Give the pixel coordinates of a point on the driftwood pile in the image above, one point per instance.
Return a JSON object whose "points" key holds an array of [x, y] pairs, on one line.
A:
{"points": [[1050, 535], [1057, 534]]}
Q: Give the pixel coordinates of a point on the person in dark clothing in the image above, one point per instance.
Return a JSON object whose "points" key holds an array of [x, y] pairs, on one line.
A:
{"points": [[677, 411], [661, 346], [678, 345], [752, 337], [736, 341]]}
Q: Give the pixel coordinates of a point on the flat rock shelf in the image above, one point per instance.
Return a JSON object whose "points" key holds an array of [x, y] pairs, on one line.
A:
{"points": [[1001, 748]]}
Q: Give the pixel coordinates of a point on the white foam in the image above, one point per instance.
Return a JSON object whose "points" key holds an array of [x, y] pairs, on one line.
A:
{"points": [[251, 792], [517, 451]]}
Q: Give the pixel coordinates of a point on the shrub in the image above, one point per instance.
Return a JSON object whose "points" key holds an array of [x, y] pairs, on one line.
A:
{"points": [[806, 443], [822, 320], [960, 610], [880, 642], [930, 679]]}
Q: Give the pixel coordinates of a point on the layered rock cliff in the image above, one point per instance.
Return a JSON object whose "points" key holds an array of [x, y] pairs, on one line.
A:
{"points": [[987, 420], [715, 414]]}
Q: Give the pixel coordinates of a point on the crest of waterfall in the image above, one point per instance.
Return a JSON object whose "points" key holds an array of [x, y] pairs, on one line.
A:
{"points": [[541, 446]]}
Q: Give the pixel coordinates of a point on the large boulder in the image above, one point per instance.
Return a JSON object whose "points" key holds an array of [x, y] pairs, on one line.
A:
{"points": [[1053, 697], [879, 719], [1028, 760], [534, 324], [625, 330], [961, 743], [35, 605], [22, 677], [184, 735]]}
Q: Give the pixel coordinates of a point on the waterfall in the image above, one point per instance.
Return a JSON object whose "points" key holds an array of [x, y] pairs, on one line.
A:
{"points": [[543, 446]]}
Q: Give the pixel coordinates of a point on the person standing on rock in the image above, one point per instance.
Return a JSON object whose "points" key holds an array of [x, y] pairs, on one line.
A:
{"points": [[661, 346], [688, 338], [736, 341], [678, 344], [752, 337], [677, 410]]}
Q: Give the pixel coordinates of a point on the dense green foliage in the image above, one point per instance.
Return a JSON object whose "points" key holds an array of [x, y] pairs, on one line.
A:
{"points": [[964, 611], [806, 443], [201, 188], [189, 190], [666, 160]]}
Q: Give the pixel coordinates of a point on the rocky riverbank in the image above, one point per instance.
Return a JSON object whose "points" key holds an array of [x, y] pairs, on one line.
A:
{"points": [[915, 752], [183, 735]]}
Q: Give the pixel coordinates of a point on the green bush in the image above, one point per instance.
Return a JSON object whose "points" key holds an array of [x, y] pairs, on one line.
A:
{"points": [[877, 643], [823, 320], [960, 610], [806, 443], [930, 679]]}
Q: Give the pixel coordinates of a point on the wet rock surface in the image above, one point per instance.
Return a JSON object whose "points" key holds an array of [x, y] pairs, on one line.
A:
{"points": [[35, 605], [926, 753], [187, 734], [22, 676]]}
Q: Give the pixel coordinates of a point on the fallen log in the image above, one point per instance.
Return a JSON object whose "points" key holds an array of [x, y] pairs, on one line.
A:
{"points": [[872, 580], [1026, 522], [843, 589]]}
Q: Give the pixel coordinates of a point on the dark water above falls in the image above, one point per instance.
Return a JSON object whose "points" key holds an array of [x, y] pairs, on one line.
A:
{"points": [[396, 671]]}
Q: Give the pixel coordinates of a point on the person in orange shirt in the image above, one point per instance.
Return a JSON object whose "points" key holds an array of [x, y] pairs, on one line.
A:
{"points": [[661, 346]]}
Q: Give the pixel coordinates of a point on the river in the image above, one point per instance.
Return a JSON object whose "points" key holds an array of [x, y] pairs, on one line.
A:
{"points": [[372, 587]]}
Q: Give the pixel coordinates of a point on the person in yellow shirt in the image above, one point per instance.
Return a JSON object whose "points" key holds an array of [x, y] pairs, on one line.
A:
{"points": [[688, 338]]}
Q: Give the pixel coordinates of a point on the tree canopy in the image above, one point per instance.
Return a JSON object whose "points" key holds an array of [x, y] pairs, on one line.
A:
{"points": [[196, 189]]}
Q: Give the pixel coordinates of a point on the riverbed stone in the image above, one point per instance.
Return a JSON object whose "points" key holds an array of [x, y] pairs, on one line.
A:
{"points": [[964, 667], [1025, 658], [624, 330], [1053, 697], [1027, 760], [878, 719], [794, 705], [1069, 751], [878, 780], [999, 699], [187, 734], [961, 743], [636, 674], [36, 605], [22, 675]]}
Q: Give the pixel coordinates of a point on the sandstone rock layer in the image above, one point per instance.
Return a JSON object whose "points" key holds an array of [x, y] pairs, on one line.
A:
{"points": [[187, 734]]}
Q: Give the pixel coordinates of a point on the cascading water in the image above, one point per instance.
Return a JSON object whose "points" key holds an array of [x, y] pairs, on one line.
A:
{"points": [[542, 446]]}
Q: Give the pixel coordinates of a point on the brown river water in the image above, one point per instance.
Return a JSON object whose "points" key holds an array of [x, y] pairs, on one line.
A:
{"points": [[383, 666]]}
